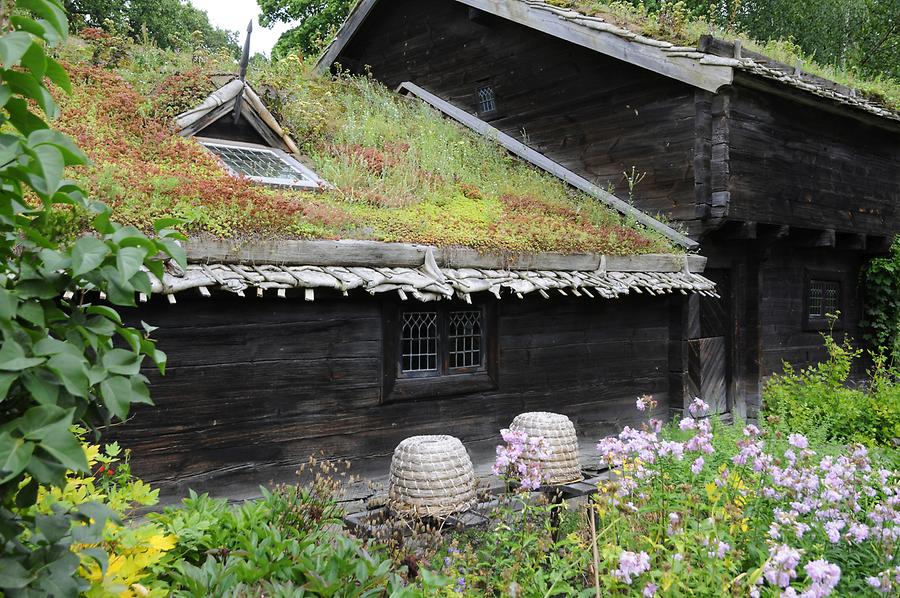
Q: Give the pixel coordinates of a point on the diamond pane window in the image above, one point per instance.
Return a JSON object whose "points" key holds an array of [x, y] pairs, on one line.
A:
{"points": [[487, 100], [823, 298], [265, 165], [464, 335], [419, 341]]}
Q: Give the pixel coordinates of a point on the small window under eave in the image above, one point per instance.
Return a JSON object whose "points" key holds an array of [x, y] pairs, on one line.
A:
{"points": [[267, 165]]}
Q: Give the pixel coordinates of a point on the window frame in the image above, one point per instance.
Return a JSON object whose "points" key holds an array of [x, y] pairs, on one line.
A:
{"points": [[486, 114], [316, 182], [399, 385], [817, 323]]}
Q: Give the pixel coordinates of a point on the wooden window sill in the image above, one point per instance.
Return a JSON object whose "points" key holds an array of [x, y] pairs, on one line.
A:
{"points": [[438, 387]]}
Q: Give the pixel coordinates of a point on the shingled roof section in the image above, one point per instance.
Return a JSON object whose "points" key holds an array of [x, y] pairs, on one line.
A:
{"points": [[708, 67]]}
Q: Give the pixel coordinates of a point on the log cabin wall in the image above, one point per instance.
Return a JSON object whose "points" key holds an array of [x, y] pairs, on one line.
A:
{"points": [[595, 115], [254, 386], [785, 334], [792, 164]]}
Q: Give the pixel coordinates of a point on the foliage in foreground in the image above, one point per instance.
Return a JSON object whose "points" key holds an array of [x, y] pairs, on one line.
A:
{"points": [[66, 356], [881, 281], [820, 402]]}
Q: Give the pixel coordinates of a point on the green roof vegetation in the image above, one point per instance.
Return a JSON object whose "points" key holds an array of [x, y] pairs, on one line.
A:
{"points": [[849, 42], [400, 171]]}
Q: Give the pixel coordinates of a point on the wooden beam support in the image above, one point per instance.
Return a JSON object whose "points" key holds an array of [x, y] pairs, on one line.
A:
{"points": [[813, 238], [852, 241], [878, 244], [772, 232]]}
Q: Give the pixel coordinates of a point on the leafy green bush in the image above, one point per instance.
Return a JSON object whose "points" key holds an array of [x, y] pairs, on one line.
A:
{"points": [[820, 402]]}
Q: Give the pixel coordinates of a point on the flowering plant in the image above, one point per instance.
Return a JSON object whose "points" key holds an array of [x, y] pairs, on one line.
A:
{"points": [[520, 459], [699, 507]]}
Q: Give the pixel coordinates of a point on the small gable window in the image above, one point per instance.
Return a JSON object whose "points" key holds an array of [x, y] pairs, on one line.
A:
{"points": [[487, 101], [262, 164]]}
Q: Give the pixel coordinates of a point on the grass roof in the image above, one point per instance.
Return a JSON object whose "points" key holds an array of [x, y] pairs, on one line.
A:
{"points": [[400, 171]]}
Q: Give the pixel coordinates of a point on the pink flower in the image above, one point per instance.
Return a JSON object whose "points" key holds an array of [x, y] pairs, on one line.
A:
{"points": [[649, 590], [798, 441], [631, 565], [697, 465], [698, 407]]}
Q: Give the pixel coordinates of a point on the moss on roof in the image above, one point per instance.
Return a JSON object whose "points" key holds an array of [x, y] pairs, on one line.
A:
{"points": [[400, 171]]}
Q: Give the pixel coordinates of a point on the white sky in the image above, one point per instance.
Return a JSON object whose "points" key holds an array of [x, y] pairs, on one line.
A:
{"points": [[234, 15]]}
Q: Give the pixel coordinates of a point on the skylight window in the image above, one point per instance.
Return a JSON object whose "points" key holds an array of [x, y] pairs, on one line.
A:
{"points": [[263, 164]]}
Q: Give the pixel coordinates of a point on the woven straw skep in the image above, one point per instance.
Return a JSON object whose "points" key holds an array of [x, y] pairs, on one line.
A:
{"points": [[561, 466], [431, 476]]}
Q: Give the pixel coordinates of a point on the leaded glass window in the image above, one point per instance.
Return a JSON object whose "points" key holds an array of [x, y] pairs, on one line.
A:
{"points": [[419, 341], [487, 100], [444, 340], [464, 335], [824, 298]]}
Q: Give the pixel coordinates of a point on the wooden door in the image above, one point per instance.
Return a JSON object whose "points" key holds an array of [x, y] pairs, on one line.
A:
{"points": [[709, 353]]}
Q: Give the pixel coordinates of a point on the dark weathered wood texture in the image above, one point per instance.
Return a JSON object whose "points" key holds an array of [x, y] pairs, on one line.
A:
{"points": [[595, 115], [791, 164], [256, 386]]}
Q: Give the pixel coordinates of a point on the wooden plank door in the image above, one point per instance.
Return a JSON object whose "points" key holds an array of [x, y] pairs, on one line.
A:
{"points": [[709, 355]]}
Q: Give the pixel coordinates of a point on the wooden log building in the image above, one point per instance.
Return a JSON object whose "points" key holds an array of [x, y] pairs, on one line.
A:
{"points": [[789, 182], [282, 350]]}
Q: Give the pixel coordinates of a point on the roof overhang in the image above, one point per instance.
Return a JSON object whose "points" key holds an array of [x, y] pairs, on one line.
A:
{"points": [[424, 272], [588, 32]]}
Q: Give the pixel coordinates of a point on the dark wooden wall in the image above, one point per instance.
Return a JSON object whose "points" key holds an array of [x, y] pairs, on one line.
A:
{"points": [[595, 115], [793, 164], [782, 272], [256, 386]]}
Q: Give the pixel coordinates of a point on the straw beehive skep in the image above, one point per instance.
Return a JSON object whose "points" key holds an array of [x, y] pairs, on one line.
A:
{"points": [[561, 465], [431, 476]]}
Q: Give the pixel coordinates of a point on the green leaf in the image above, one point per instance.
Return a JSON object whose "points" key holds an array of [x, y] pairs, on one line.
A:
{"points": [[120, 361], [14, 456], [42, 421], [72, 371], [87, 254], [57, 74], [8, 304], [117, 395], [13, 359], [35, 61], [52, 12], [52, 166], [65, 447], [6, 381], [175, 250], [22, 118], [42, 385], [33, 312], [13, 575], [13, 47], [106, 312], [129, 261], [49, 346], [162, 223]]}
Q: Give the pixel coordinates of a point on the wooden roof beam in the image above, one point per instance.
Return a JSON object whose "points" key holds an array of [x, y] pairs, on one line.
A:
{"points": [[852, 241], [813, 238]]}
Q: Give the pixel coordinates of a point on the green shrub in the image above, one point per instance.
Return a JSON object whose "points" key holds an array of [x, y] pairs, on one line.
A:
{"points": [[820, 402]]}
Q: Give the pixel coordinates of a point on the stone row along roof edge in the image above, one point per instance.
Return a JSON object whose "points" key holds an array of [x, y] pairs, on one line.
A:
{"points": [[415, 271]]}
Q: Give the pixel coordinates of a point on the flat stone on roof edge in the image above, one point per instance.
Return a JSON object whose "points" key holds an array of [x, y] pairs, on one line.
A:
{"points": [[350, 253]]}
